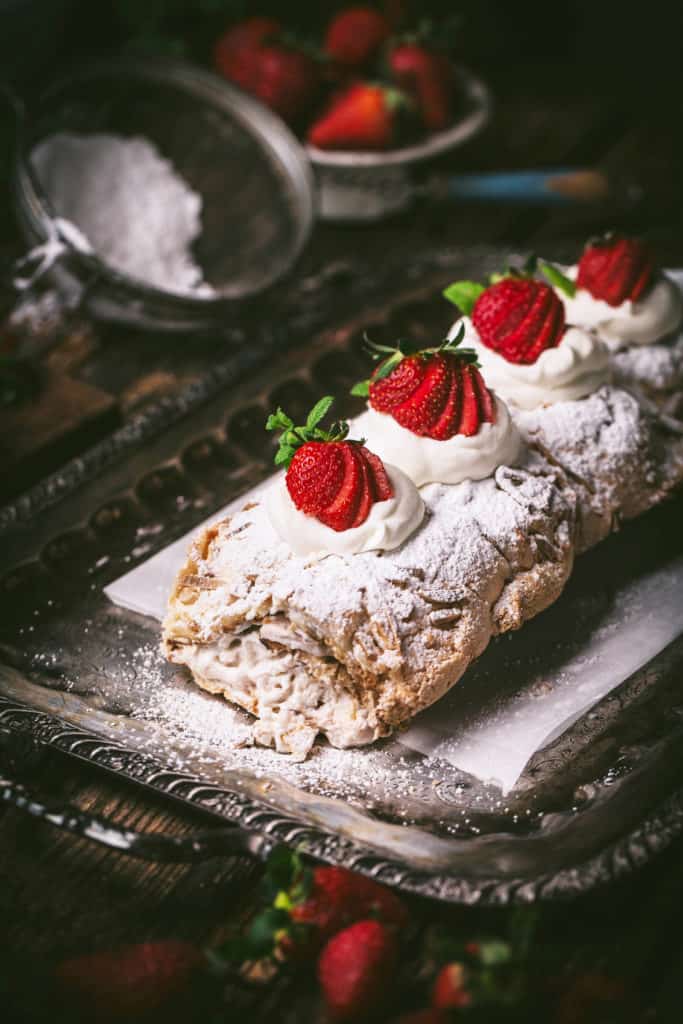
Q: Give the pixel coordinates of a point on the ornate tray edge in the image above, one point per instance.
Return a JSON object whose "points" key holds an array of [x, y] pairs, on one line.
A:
{"points": [[617, 860]]}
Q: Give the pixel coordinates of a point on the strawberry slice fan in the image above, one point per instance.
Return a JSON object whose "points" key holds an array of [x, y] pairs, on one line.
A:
{"points": [[516, 315], [615, 269], [329, 476], [433, 392]]}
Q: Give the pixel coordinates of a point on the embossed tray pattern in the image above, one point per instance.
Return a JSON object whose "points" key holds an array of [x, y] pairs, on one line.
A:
{"points": [[598, 801]]}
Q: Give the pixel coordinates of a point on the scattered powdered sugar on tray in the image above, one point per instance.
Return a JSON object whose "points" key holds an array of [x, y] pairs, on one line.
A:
{"points": [[130, 203], [202, 731]]}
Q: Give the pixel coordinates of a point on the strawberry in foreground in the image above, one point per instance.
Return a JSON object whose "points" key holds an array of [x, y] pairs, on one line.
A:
{"points": [[428, 78], [433, 392], [363, 116], [517, 316], [309, 905], [449, 991], [130, 982], [355, 968], [329, 476], [355, 35], [614, 269], [337, 897]]}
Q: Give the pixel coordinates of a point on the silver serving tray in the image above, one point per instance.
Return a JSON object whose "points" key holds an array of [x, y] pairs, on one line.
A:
{"points": [[82, 676]]}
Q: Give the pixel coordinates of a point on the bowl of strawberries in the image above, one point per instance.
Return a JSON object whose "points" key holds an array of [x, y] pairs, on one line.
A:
{"points": [[368, 100]]}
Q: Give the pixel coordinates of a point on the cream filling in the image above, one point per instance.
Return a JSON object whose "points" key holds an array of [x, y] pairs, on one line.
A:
{"points": [[290, 705], [654, 316], [388, 524], [573, 369], [426, 460]]}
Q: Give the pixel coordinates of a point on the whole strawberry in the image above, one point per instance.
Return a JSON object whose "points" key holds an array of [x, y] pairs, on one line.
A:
{"points": [[129, 982], [337, 897], [450, 991], [615, 269], [433, 392], [233, 50], [363, 116], [355, 35], [254, 56], [329, 477], [428, 77], [355, 968]]}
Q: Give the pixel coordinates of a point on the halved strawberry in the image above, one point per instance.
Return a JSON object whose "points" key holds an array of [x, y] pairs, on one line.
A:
{"points": [[329, 477], [615, 269], [447, 423], [433, 392], [471, 416]]}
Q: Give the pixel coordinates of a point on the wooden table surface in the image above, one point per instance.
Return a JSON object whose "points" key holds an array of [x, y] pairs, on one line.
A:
{"points": [[60, 895]]}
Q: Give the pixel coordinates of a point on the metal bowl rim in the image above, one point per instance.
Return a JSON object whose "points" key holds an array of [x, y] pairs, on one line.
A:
{"points": [[480, 105]]}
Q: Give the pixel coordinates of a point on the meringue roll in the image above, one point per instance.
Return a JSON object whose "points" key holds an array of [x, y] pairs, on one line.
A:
{"points": [[351, 645]]}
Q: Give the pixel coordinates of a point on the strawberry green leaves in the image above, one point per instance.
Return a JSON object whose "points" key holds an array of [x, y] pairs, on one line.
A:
{"points": [[294, 437], [557, 279], [464, 295]]}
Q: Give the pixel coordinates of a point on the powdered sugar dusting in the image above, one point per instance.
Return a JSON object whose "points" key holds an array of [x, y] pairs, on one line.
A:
{"points": [[652, 367]]}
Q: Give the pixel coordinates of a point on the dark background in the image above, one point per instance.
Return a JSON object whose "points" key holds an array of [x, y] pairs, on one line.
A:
{"points": [[634, 46]]}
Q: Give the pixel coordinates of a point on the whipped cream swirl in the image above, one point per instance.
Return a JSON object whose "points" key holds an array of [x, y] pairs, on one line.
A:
{"points": [[427, 460], [653, 316], [573, 369], [388, 524]]}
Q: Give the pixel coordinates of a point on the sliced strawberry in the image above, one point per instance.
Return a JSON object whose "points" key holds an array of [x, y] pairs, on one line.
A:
{"points": [[328, 477], [424, 407], [365, 500], [615, 269], [487, 406], [341, 512], [449, 420], [315, 475], [388, 392], [469, 423], [382, 489], [519, 317], [424, 390]]}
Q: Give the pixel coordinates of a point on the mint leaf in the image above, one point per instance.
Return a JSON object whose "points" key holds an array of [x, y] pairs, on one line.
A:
{"points": [[284, 455], [318, 412], [464, 294], [557, 278], [279, 420], [362, 388]]}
